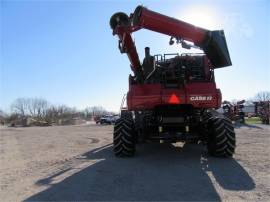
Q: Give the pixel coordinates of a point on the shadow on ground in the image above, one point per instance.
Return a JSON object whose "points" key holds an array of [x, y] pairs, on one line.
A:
{"points": [[239, 125], [158, 172]]}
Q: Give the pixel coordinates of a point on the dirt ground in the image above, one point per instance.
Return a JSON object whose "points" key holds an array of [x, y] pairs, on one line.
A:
{"points": [[76, 163]]}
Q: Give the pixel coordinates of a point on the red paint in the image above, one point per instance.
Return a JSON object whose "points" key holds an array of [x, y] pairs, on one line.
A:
{"points": [[170, 26], [147, 96], [128, 46]]}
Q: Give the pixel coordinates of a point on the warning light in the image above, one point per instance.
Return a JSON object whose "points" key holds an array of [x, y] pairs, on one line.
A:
{"points": [[174, 99]]}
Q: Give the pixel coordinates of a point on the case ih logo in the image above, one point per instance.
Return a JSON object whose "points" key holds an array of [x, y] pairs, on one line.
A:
{"points": [[201, 98]]}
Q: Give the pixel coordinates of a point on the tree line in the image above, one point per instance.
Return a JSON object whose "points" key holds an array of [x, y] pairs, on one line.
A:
{"points": [[38, 111]]}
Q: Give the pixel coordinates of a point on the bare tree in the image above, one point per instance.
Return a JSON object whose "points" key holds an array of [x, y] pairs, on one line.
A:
{"points": [[34, 107], [38, 107], [94, 111], [62, 112], [51, 114], [39, 110], [65, 112], [262, 96], [20, 106]]}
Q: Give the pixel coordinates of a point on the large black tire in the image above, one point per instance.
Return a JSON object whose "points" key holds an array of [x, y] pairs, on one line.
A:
{"points": [[220, 136], [124, 139]]}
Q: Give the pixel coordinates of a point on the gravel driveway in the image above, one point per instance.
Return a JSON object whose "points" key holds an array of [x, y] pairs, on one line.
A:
{"points": [[76, 163]]}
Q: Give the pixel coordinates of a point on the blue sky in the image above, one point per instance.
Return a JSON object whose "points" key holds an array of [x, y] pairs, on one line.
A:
{"points": [[64, 51]]}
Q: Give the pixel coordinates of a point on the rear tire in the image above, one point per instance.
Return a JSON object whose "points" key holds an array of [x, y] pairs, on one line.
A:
{"points": [[221, 137], [124, 137]]}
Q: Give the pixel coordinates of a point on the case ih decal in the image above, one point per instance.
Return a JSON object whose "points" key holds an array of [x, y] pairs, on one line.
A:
{"points": [[201, 98]]}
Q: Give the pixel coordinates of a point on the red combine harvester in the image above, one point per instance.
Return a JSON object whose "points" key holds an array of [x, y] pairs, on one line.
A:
{"points": [[172, 98]]}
